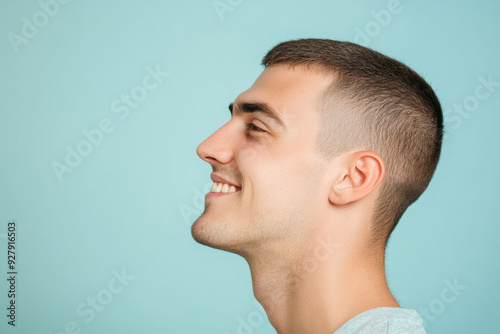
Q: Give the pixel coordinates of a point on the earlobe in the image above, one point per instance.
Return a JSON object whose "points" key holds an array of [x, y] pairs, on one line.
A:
{"points": [[363, 173]]}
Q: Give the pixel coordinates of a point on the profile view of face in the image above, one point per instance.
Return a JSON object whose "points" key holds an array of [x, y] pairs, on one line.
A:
{"points": [[267, 156]]}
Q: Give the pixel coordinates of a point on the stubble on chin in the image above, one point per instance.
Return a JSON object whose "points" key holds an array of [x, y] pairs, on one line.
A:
{"points": [[222, 233], [211, 232]]}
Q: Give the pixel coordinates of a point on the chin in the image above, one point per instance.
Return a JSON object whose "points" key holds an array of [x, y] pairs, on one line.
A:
{"points": [[202, 234], [215, 235], [206, 233]]}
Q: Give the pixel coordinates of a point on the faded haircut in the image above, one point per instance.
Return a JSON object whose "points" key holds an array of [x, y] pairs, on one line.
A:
{"points": [[374, 103]]}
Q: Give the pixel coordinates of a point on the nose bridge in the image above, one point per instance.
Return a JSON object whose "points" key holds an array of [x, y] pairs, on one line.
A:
{"points": [[219, 146]]}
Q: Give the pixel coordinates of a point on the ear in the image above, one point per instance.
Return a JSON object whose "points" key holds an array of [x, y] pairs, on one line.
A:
{"points": [[362, 173]]}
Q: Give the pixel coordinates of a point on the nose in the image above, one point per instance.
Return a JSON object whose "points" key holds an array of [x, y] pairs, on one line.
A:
{"points": [[217, 148]]}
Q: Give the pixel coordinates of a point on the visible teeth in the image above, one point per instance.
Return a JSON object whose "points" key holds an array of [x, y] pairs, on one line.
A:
{"points": [[222, 187]]}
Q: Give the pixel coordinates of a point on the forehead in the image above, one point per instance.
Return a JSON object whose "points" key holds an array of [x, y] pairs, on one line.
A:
{"points": [[292, 92]]}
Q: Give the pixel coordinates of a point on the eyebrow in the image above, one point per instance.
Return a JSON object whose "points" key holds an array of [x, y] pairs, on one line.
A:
{"points": [[262, 108]]}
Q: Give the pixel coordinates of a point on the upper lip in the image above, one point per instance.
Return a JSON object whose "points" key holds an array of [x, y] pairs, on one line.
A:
{"points": [[219, 179]]}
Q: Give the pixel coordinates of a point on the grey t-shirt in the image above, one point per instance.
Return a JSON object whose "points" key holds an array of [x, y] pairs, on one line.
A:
{"points": [[384, 320]]}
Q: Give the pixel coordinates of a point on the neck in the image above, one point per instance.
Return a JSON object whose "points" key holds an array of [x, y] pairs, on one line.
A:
{"points": [[319, 289]]}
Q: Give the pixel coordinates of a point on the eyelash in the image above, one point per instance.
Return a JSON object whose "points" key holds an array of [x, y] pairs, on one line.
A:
{"points": [[253, 127]]}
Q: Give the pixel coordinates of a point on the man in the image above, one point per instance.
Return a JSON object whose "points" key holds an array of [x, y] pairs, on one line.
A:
{"points": [[321, 157]]}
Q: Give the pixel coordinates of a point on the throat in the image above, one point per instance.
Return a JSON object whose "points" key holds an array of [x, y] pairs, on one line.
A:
{"points": [[318, 298]]}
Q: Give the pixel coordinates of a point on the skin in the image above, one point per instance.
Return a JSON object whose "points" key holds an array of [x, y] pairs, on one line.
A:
{"points": [[300, 220]]}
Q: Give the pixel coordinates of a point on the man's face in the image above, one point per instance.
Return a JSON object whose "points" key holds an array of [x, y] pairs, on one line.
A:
{"points": [[276, 170]]}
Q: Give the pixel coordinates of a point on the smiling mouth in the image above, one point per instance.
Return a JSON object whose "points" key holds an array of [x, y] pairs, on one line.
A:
{"points": [[218, 187]]}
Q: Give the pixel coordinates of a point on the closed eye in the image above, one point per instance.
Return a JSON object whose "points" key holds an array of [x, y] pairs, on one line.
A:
{"points": [[253, 127]]}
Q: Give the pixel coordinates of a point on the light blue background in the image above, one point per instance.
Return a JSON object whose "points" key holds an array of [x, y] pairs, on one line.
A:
{"points": [[122, 206]]}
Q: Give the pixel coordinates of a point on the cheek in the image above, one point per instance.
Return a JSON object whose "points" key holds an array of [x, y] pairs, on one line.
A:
{"points": [[295, 185], [279, 175], [247, 156], [283, 180]]}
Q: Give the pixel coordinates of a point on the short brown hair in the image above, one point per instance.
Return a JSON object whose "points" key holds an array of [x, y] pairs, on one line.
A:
{"points": [[374, 103]]}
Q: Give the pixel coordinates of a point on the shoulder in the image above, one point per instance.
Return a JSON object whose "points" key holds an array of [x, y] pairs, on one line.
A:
{"points": [[386, 320]]}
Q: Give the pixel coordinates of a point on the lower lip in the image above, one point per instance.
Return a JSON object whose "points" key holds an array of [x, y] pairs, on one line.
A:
{"points": [[210, 194]]}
